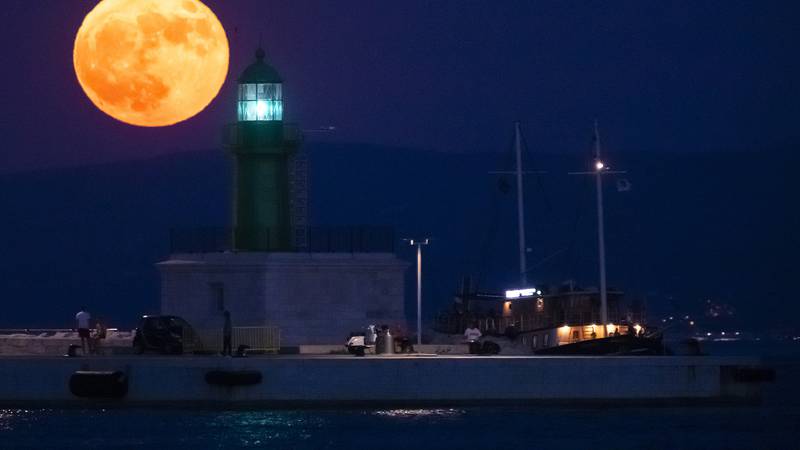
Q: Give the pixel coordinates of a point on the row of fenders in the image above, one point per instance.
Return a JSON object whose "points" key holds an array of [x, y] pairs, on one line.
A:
{"points": [[114, 384]]}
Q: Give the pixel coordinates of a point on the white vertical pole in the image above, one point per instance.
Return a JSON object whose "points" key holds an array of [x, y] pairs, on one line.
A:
{"points": [[601, 244], [520, 208], [419, 294]]}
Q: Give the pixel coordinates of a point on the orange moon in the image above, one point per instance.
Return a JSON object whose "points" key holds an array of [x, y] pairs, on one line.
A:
{"points": [[151, 63]]}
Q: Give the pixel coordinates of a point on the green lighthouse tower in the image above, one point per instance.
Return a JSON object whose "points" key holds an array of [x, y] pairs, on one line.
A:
{"points": [[261, 146]]}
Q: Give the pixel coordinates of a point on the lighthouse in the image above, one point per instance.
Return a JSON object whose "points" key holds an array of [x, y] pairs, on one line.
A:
{"points": [[272, 272], [261, 146]]}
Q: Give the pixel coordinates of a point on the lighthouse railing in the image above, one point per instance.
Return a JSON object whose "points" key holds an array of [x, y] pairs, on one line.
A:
{"points": [[330, 239]]}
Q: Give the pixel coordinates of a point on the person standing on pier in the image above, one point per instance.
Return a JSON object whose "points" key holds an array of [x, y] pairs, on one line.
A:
{"points": [[227, 331], [472, 336], [83, 318]]}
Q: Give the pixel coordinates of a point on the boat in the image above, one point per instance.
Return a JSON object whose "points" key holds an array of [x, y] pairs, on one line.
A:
{"points": [[555, 319], [540, 321]]}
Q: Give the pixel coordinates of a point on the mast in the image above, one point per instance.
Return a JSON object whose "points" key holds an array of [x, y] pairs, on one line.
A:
{"points": [[601, 241], [519, 172], [598, 171], [419, 293], [520, 207]]}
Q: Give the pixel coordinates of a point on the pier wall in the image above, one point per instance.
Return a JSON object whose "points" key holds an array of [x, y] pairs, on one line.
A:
{"points": [[343, 380]]}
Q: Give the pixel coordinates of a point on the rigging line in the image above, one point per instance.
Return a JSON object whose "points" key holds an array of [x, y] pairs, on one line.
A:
{"points": [[581, 206], [490, 237], [548, 258], [548, 206], [539, 179]]}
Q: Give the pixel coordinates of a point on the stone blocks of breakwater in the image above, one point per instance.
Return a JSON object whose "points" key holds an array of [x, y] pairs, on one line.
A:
{"points": [[56, 343]]}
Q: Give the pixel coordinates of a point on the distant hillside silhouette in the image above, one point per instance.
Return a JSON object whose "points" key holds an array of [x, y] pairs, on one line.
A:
{"points": [[692, 226]]}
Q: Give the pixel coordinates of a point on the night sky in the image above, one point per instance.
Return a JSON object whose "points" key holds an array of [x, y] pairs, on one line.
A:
{"points": [[699, 98], [448, 76]]}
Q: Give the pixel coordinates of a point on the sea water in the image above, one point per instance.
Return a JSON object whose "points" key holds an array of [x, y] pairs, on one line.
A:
{"points": [[774, 424]]}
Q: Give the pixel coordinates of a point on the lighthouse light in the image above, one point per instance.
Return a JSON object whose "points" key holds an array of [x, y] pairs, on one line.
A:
{"points": [[261, 108], [260, 102]]}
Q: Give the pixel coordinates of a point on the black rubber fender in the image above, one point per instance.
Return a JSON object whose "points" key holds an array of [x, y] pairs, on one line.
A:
{"points": [[754, 374], [96, 384], [233, 377]]}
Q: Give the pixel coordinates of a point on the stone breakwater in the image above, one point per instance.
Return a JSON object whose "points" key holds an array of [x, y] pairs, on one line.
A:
{"points": [[56, 343], [339, 380]]}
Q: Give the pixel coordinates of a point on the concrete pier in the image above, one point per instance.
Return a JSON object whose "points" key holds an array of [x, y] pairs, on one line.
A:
{"points": [[339, 380]]}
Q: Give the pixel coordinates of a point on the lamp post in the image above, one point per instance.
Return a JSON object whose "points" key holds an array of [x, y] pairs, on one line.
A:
{"points": [[419, 243]]}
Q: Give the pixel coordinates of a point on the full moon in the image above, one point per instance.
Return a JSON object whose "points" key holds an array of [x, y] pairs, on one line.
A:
{"points": [[151, 63]]}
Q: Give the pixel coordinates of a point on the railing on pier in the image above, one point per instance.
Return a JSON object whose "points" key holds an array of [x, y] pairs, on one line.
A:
{"points": [[261, 339], [452, 324]]}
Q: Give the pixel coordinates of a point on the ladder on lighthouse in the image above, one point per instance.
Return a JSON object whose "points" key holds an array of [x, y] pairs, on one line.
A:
{"points": [[298, 198]]}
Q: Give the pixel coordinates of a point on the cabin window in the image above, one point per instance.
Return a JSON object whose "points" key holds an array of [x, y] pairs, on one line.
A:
{"points": [[547, 340], [576, 335], [534, 341]]}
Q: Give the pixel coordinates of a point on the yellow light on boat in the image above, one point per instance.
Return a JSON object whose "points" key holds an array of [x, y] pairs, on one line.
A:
{"points": [[610, 328], [638, 328]]}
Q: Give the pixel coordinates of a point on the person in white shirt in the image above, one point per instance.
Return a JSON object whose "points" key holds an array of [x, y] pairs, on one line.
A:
{"points": [[472, 333], [83, 319]]}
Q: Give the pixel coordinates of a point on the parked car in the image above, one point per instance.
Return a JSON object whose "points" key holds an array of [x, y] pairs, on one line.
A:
{"points": [[164, 334]]}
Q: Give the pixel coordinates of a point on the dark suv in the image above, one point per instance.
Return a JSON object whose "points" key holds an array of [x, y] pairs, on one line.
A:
{"points": [[164, 334]]}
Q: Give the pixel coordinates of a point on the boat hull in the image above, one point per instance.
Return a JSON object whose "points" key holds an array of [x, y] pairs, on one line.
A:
{"points": [[627, 345]]}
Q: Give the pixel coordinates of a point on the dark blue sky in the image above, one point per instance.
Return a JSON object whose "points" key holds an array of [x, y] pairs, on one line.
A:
{"points": [[674, 85], [443, 75]]}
